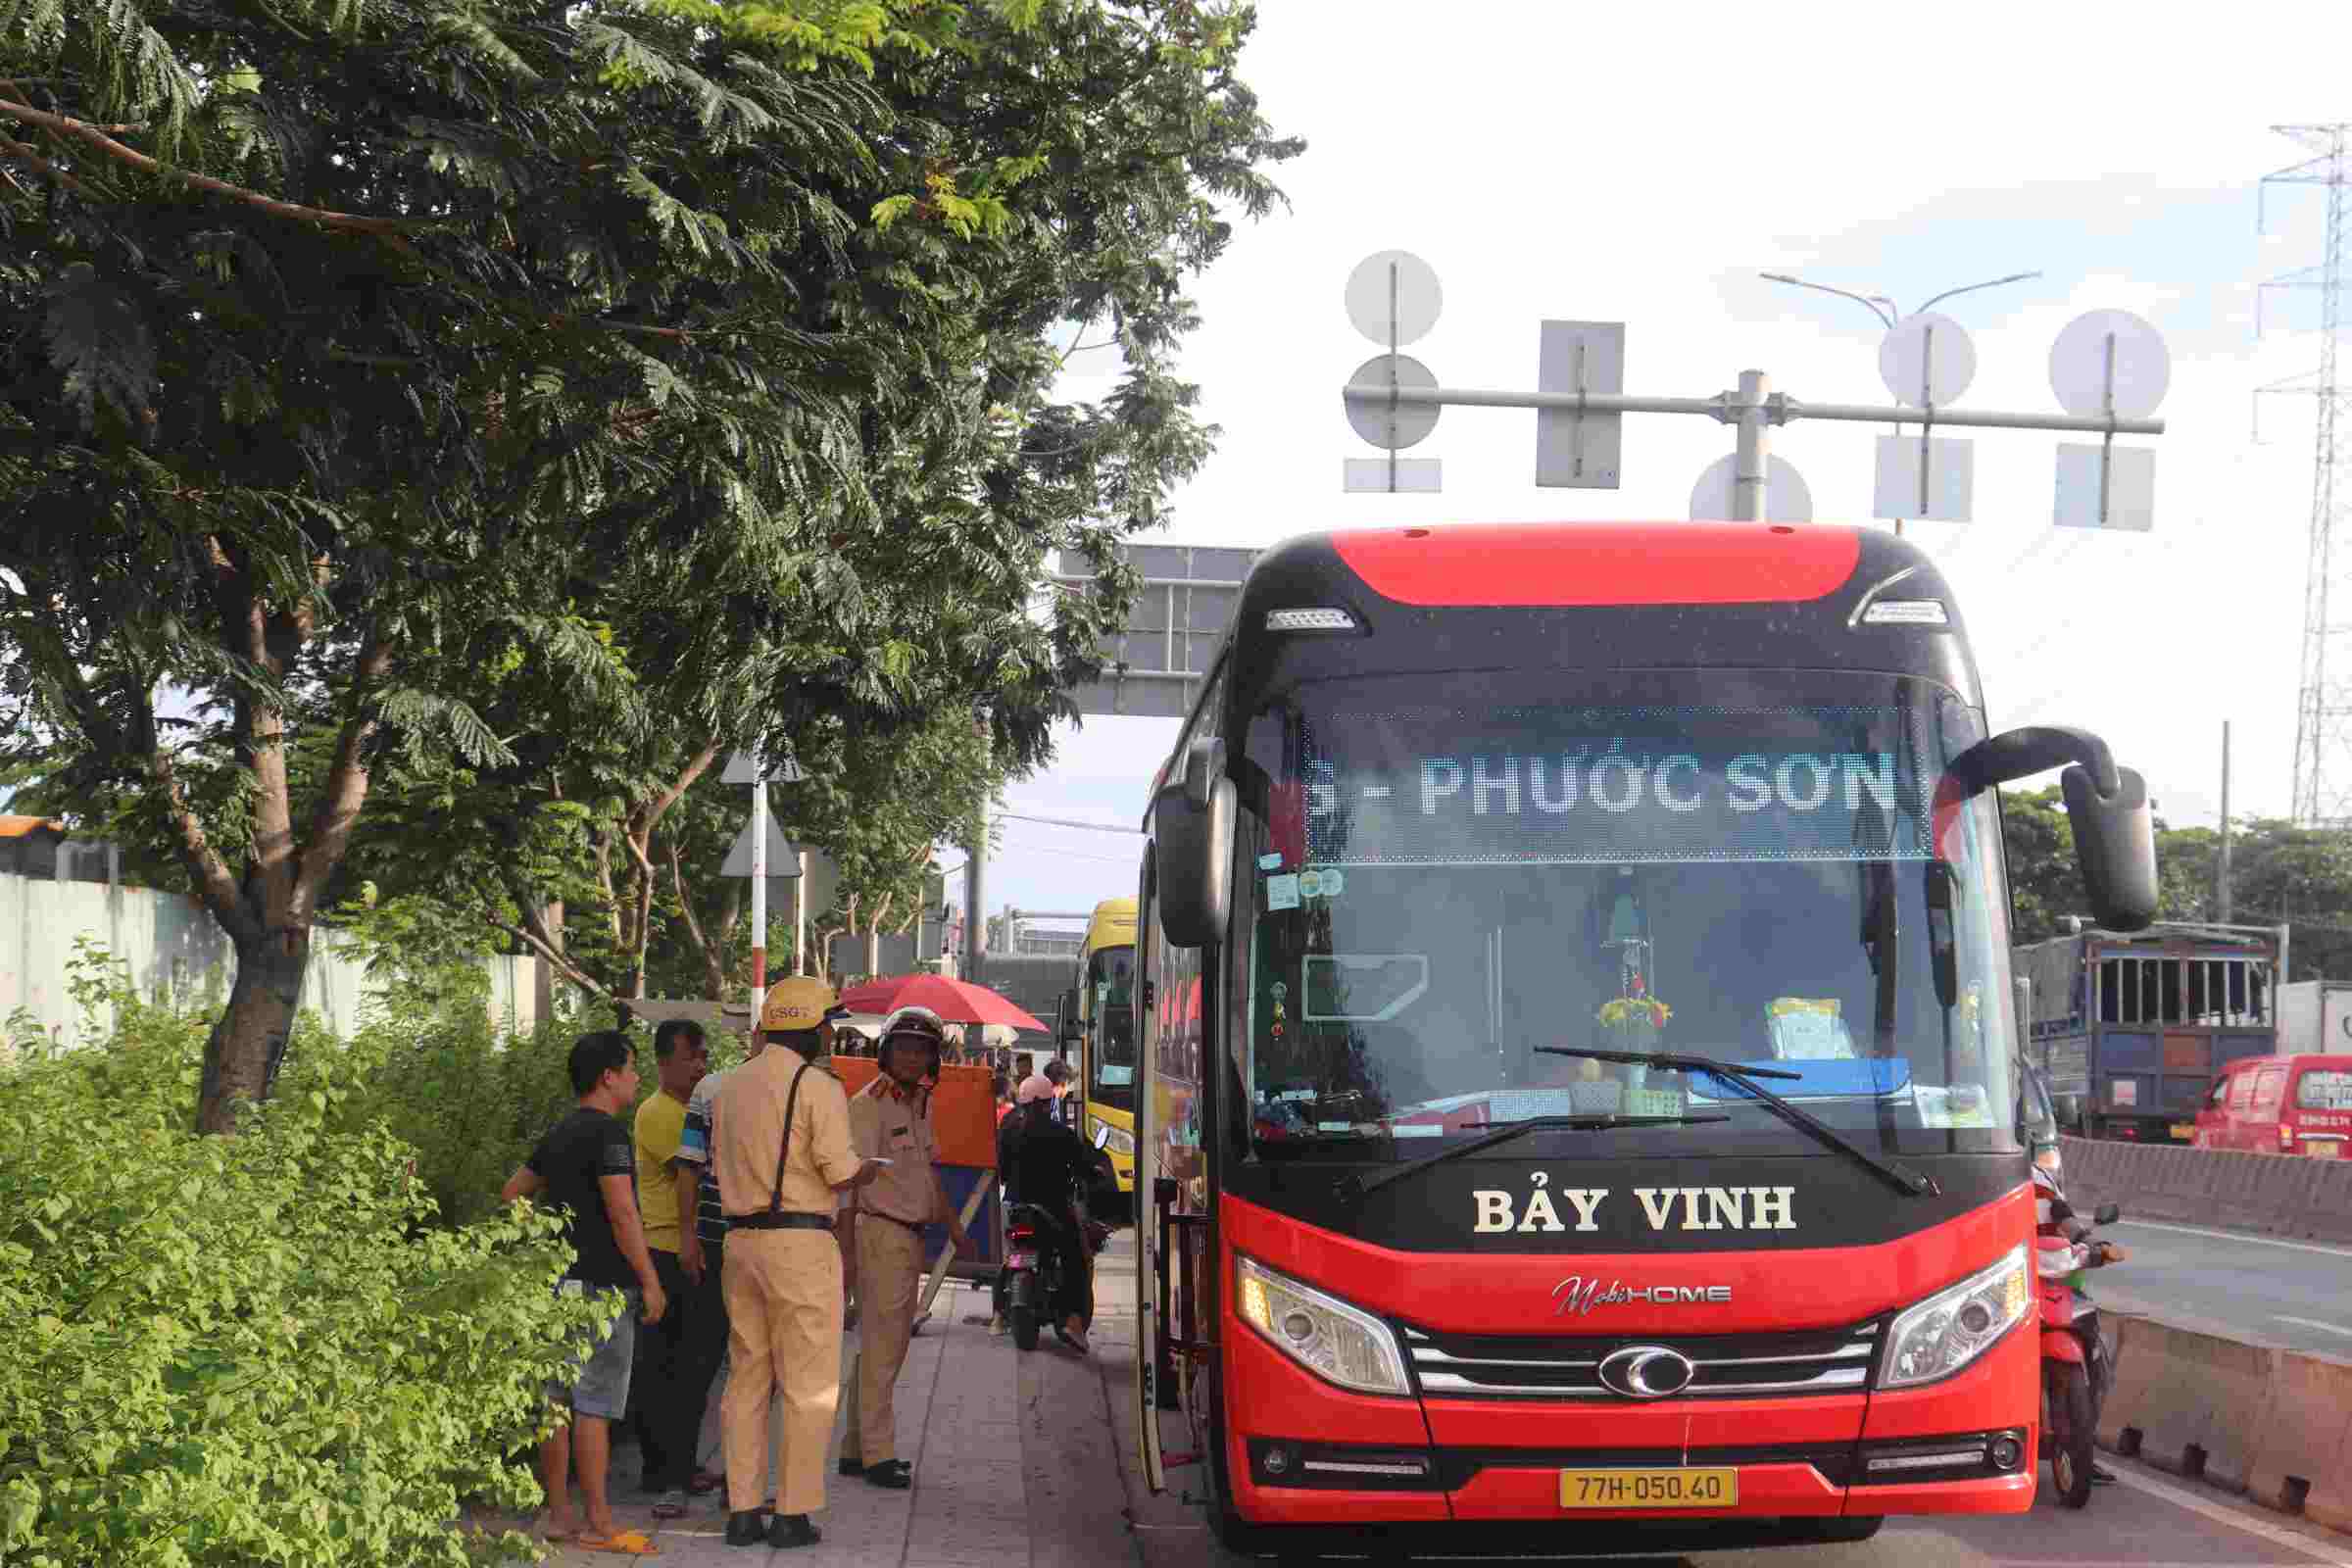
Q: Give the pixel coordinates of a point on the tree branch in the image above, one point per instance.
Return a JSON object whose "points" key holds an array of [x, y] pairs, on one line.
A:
{"points": [[346, 789], [562, 965], [64, 125], [215, 886], [42, 165], [694, 928]]}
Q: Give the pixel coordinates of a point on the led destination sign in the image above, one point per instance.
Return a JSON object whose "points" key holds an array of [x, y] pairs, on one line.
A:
{"points": [[1778, 786]]}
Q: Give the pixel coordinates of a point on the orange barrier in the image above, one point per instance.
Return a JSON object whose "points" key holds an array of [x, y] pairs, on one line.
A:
{"points": [[964, 1108], [963, 1118]]}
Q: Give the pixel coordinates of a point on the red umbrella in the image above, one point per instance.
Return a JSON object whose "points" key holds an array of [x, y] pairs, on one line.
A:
{"points": [[954, 1000]]}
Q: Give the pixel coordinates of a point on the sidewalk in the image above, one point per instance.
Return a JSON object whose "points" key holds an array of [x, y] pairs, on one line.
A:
{"points": [[1020, 1462]]}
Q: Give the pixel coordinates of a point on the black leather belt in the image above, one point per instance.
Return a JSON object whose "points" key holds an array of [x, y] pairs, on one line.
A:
{"points": [[781, 1220]]}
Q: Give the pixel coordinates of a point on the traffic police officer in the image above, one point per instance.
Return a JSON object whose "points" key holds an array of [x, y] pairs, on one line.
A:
{"points": [[891, 1118], [783, 1129]]}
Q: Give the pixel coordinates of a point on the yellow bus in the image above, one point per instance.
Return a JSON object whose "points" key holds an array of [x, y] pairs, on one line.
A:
{"points": [[1097, 1020]]}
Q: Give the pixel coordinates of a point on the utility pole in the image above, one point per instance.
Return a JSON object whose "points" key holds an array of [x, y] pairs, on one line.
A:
{"points": [[2223, 897]]}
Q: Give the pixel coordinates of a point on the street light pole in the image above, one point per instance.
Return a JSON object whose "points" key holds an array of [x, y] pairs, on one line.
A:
{"points": [[1892, 315]]}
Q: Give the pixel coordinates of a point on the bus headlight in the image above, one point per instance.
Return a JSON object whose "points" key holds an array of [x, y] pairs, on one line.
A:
{"points": [[1335, 1342], [1114, 1140], [1938, 1337]]}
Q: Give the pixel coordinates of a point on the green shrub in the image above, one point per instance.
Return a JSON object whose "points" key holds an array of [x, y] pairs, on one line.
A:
{"points": [[268, 1348]]}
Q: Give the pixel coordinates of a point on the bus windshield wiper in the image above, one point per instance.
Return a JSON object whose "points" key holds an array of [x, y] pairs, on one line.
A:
{"points": [[1901, 1178], [1361, 1185]]}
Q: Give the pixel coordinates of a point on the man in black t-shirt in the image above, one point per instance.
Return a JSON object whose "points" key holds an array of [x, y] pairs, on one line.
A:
{"points": [[586, 1167]]}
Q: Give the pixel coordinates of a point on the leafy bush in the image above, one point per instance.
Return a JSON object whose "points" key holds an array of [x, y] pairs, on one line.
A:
{"points": [[267, 1349]]}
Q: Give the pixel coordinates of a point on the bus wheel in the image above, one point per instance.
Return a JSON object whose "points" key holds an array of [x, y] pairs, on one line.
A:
{"points": [[1024, 1327]]}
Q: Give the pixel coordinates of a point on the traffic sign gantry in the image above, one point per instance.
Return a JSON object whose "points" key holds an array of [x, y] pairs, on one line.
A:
{"points": [[1158, 661], [2109, 371]]}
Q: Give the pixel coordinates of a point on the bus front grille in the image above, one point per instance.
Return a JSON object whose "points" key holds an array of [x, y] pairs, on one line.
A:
{"points": [[1488, 1366]]}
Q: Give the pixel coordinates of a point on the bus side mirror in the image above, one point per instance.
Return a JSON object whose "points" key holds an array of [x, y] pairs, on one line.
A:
{"points": [[2106, 805], [1066, 1021], [2068, 1109], [2115, 842], [1191, 839]]}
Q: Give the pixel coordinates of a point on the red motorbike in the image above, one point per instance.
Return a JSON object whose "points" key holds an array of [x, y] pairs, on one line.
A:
{"points": [[2077, 1372]]}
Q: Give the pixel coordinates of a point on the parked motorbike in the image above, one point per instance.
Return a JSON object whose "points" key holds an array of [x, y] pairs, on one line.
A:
{"points": [[1033, 1267], [2077, 1371]]}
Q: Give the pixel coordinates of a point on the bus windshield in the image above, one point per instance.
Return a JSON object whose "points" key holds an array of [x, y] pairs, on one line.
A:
{"points": [[1450, 872], [1110, 1004]]}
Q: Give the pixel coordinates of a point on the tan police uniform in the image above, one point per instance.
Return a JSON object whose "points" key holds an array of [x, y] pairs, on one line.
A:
{"points": [[889, 1123], [782, 1278]]}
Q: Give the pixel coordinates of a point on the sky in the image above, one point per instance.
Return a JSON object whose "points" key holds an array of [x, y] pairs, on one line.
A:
{"points": [[1643, 165]]}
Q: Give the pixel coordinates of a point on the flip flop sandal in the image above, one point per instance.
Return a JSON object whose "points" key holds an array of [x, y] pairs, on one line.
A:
{"points": [[627, 1544], [705, 1483], [671, 1508]]}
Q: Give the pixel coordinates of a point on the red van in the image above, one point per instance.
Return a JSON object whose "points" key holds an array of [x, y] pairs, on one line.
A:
{"points": [[2280, 1105]]}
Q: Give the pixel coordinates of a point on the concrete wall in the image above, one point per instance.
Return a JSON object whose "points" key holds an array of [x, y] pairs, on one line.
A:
{"points": [[2274, 1195], [173, 946]]}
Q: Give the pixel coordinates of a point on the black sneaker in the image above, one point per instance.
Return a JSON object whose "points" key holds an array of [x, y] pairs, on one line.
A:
{"points": [[894, 1474], [851, 1467], [793, 1530], [749, 1528]]}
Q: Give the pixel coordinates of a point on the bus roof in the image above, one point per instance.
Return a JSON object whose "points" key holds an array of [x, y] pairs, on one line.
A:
{"points": [[1594, 594], [1113, 925]]}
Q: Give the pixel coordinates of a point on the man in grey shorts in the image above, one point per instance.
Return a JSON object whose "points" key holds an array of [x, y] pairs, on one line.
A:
{"points": [[587, 1168]]}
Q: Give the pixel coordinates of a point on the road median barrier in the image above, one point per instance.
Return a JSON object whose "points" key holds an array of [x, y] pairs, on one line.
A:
{"points": [[2249, 1417], [2302, 1464], [2188, 1401], [2271, 1195]]}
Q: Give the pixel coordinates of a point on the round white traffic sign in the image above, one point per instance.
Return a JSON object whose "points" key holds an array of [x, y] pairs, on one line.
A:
{"points": [[1407, 423], [1786, 497], [1392, 296], [2100, 348], [1927, 359]]}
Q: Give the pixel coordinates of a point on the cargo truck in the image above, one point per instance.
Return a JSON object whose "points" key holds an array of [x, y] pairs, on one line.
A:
{"points": [[2131, 1030], [2314, 1019]]}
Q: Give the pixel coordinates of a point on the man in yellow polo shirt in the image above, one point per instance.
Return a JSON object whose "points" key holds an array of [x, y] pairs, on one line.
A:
{"points": [[664, 1425]]}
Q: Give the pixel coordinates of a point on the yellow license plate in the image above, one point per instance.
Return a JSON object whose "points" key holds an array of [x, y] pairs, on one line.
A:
{"points": [[2184, 1129], [1649, 1489]]}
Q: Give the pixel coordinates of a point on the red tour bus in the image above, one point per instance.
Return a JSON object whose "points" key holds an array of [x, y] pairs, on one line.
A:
{"points": [[1580, 1081]]}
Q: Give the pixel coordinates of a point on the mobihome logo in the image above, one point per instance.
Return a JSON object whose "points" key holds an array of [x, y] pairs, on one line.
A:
{"points": [[1576, 1295]]}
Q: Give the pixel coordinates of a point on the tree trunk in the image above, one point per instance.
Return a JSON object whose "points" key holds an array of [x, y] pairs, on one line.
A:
{"points": [[248, 1044]]}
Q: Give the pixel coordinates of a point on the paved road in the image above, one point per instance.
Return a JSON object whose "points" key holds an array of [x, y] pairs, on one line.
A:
{"points": [[2292, 1294]]}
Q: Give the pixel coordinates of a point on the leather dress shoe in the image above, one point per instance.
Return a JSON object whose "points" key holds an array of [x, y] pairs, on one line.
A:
{"points": [[897, 1475], [748, 1529], [793, 1530]]}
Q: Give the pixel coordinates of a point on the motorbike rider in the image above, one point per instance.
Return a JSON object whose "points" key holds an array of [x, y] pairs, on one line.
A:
{"points": [[1043, 1162], [2056, 1221]]}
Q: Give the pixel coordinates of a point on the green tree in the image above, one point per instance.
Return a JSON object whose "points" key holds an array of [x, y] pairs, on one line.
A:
{"points": [[361, 355], [2044, 884]]}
